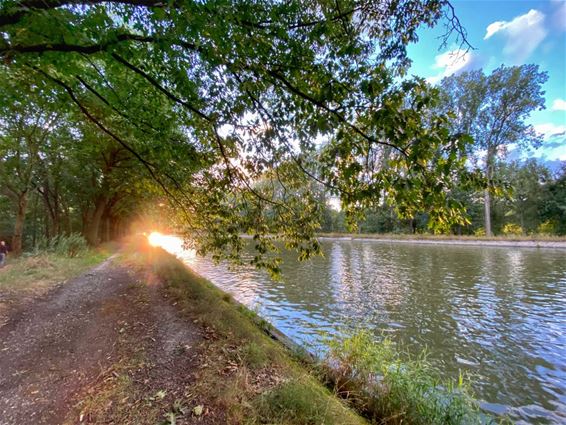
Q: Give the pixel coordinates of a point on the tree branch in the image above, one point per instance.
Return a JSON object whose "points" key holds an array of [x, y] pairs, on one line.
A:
{"points": [[76, 48], [16, 13], [149, 166], [159, 87]]}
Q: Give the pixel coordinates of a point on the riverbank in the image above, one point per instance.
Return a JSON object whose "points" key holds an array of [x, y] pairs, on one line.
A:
{"points": [[496, 241], [243, 372], [141, 339]]}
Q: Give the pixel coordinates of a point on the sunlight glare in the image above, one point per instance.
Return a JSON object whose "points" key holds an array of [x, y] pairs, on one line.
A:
{"points": [[156, 239], [173, 245]]}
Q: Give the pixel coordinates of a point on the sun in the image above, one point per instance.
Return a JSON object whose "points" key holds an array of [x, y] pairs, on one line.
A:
{"points": [[156, 239], [170, 243]]}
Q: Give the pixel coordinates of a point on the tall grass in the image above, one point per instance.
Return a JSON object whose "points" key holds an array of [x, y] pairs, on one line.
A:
{"points": [[390, 389], [71, 246]]}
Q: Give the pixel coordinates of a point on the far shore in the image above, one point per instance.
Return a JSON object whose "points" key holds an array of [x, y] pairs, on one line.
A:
{"points": [[501, 241]]}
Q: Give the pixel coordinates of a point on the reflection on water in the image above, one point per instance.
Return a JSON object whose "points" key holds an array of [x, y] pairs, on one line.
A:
{"points": [[496, 313]]}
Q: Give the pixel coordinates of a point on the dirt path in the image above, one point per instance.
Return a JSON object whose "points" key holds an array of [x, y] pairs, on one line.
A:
{"points": [[64, 348]]}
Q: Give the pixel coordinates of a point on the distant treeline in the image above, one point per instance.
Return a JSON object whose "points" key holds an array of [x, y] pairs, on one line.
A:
{"points": [[532, 202]]}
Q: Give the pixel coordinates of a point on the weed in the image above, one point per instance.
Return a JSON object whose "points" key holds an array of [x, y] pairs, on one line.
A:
{"points": [[73, 245]]}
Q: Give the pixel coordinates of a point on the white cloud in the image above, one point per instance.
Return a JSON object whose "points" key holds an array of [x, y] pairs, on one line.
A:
{"points": [[559, 105], [522, 35], [550, 154], [554, 144], [559, 16], [494, 27], [450, 63], [550, 130]]}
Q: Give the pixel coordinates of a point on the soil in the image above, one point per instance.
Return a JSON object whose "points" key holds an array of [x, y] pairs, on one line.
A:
{"points": [[60, 352]]}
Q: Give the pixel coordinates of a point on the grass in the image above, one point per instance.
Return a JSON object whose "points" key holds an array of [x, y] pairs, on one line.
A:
{"points": [[296, 402], [39, 272], [247, 375]]}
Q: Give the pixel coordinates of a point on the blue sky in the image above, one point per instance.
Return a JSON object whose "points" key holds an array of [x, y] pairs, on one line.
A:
{"points": [[509, 32]]}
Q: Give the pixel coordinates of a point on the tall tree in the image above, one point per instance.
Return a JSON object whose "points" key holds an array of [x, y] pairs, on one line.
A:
{"points": [[493, 110]]}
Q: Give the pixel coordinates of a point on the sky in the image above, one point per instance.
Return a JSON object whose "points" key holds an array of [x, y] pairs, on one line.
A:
{"points": [[508, 32]]}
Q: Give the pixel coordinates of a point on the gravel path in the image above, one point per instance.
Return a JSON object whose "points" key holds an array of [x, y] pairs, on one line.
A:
{"points": [[54, 349]]}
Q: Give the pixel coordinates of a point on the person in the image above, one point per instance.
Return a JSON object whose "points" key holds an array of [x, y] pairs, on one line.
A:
{"points": [[3, 253]]}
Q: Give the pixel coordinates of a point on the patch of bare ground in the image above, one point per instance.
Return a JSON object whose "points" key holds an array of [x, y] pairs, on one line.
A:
{"points": [[159, 359], [106, 347]]}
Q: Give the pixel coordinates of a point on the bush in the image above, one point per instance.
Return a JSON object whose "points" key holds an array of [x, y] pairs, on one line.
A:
{"points": [[480, 231], [512, 229], [71, 246], [547, 228], [391, 390]]}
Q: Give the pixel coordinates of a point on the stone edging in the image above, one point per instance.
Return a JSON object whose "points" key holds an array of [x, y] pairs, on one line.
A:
{"points": [[496, 243]]}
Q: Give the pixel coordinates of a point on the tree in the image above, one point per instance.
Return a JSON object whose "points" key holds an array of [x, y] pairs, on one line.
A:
{"points": [[493, 110], [212, 97], [51, 155], [554, 207], [26, 127], [527, 182]]}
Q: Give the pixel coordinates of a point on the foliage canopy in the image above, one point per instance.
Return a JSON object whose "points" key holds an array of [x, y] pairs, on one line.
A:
{"points": [[224, 104]]}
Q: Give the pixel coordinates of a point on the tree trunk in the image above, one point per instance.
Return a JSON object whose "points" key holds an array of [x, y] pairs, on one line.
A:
{"points": [[106, 230], [489, 164], [56, 223], [93, 226], [487, 212], [51, 201], [85, 217], [114, 231], [414, 226], [19, 225], [35, 221]]}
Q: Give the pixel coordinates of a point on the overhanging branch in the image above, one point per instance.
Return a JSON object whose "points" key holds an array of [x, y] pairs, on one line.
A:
{"points": [[16, 13]]}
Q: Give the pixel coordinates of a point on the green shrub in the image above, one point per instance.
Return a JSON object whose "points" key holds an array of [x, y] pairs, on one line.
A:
{"points": [[480, 231], [389, 389], [512, 229]]}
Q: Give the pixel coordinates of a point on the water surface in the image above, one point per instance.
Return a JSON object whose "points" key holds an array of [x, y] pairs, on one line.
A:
{"points": [[498, 314]]}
